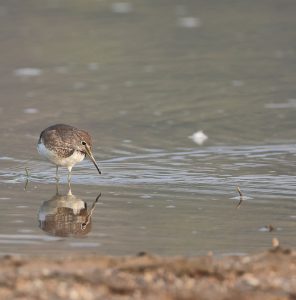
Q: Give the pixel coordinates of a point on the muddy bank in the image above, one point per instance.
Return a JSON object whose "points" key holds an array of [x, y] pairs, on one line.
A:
{"points": [[268, 275]]}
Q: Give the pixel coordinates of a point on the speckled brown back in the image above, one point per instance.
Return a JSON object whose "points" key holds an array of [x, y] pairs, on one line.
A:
{"points": [[64, 139]]}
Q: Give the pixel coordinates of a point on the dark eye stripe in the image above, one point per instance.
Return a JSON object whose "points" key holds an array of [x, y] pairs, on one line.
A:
{"points": [[83, 143]]}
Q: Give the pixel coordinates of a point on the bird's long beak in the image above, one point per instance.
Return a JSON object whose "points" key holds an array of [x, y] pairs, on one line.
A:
{"points": [[90, 155]]}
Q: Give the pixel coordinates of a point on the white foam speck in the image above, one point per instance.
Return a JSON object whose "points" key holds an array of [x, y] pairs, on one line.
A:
{"points": [[93, 66], [18, 221], [28, 72], [121, 7], [199, 137], [264, 229], [189, 22], [31, 110], [291, 103], [237, 83]]}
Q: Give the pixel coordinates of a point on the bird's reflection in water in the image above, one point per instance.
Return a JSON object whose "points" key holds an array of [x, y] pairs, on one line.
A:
{"points": [[66, 215]]}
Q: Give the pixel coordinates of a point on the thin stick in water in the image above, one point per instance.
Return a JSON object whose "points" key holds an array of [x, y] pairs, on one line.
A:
{"points": [[241, 197], [27, 178]]}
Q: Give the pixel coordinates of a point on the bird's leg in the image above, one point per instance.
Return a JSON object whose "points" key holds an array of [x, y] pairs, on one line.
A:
{"points": [[69, 191], [57, 180], [57, 174], [57, 188], [69, 177]]}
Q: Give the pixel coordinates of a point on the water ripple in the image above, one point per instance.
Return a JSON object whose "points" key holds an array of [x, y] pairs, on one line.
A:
{"points": [[265, 169]]}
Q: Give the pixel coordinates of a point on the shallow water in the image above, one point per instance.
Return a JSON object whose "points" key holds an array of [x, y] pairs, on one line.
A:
{"points": [[182, 202], [142, 77]]}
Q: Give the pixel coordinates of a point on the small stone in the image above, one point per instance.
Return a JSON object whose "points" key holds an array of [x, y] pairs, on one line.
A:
{"points": [[251, 280], [275, 243]]}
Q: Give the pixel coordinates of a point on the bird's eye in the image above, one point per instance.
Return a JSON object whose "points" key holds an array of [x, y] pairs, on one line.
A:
{"points": [[83, 143]]}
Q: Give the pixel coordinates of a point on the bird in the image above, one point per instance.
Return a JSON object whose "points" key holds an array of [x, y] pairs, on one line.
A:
{"points": [[65, 146]]}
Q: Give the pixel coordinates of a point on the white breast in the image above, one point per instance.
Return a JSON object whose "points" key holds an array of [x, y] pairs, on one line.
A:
{"points": [[52, 156]]}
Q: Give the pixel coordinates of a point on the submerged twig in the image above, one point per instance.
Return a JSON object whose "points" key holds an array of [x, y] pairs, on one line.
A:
{"points": [[239, 191], [27, 178], [241, 197]]}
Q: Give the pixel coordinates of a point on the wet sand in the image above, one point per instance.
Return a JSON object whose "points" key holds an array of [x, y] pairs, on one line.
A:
{"points": [[267, 275]]}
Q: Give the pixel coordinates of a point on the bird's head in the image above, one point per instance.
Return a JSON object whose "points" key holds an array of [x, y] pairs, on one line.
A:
{"points": [[85, 146]]}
